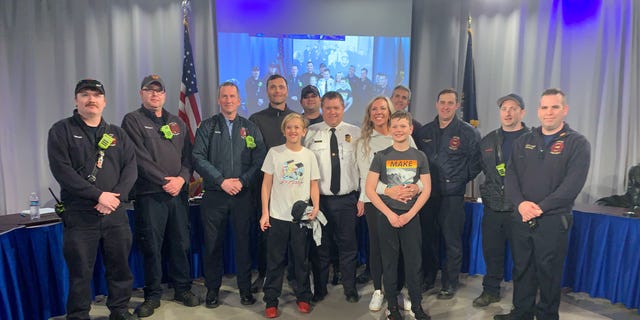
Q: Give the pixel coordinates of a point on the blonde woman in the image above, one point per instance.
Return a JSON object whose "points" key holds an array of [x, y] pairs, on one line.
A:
{"points": [[375, 137]]}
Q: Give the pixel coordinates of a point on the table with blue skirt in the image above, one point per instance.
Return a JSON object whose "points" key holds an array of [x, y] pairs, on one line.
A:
{"points": [[602, 260]]}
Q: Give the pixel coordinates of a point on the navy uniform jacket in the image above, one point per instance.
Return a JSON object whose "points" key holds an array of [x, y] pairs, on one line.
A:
{"points": [[492, 189], [453, 153], [72, 151], [218, 156], [551, 176], [158, 157]]}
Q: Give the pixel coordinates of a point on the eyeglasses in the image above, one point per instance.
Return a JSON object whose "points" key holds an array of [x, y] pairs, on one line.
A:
{"points": [[152, 91]]}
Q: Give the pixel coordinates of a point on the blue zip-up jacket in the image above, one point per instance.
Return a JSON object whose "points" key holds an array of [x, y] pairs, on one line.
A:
{"points": [[551, 176], [453, 153], [218, 156]]}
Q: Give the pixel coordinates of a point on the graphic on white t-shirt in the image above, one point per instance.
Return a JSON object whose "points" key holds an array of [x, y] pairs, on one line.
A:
{"points": [[292, 172]]}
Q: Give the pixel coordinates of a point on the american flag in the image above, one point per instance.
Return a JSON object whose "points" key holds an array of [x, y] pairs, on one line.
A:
{"points": [[188, 108]]}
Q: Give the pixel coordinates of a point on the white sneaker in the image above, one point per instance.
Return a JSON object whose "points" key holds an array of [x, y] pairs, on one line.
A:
{"points": [[376, 301], [404, 302]]}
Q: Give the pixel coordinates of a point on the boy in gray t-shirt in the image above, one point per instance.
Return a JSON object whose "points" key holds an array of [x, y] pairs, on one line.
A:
{"points": [[400, 164]]}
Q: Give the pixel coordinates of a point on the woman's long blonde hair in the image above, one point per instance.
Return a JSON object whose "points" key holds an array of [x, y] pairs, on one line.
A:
{"points": [[367, 125]]}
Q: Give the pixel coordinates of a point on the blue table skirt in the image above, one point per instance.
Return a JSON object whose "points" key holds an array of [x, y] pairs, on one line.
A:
{"points": [[603, 260]]}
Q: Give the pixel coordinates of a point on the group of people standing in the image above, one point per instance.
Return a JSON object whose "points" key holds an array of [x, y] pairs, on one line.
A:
{"points": [[304, 179]]}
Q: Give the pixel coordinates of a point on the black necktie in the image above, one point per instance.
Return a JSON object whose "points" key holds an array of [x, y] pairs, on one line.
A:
{"points": [[335, 163]]}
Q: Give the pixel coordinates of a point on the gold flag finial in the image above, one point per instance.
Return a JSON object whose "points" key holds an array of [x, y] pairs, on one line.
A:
{"points": [[469, 22], [186, 7]]}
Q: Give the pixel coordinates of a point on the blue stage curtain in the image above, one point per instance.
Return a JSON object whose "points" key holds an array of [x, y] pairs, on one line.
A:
{"points": [[603, 257]]}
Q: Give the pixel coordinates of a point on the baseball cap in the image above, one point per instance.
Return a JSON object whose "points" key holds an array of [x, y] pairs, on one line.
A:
{"points": [[152, 78], [309, 89], [513, 97], [89, 84]]}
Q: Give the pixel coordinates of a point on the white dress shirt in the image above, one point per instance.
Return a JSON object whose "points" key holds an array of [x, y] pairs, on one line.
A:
{"points": [[317, 140]]}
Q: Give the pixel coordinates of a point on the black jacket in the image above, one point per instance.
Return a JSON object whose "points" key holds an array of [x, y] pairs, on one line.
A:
{"points": [[269, 121], [158, 157], [218, 156], [72, 151], [551, 176], [453, 153], [492, 189]]}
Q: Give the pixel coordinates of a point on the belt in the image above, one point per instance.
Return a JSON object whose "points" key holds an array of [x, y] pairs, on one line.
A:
{"points": [[352, 193]]}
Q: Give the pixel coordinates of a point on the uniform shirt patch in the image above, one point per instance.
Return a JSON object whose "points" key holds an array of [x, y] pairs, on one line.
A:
{"points": [[243, 132], [454, 143], [175, 128], [530, 146], [113, 142], [557, 147]]}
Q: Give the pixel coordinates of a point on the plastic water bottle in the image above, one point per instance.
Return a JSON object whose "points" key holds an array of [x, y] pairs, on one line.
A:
{"points": [[34, 206]]}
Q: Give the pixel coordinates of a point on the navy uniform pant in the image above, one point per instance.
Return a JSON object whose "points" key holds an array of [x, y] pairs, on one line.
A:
{"points": [[451, 218], [538, 257], [340, 212], [84, 234], [495, 232], [216, 209], [162, 224]]}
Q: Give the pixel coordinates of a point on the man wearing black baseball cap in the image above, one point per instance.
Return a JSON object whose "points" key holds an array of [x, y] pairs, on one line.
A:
{"points": [[496, 149], [94, 162], [163, 150], [310, 102]]}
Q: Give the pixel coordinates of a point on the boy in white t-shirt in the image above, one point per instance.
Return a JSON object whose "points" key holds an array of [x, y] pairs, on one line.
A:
{"points": [[290, 174]]}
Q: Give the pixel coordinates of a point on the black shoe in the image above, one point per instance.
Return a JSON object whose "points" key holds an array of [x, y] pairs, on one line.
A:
{"points": [[317, 297], [446, 294], [212, 299], [187, 298], [393, 313], [512, 316], [418, 314], [257, 284], [352, 297], [485, 299], [337, 278], [147, 307], [247, 299], [364, 277], [123, 316]]}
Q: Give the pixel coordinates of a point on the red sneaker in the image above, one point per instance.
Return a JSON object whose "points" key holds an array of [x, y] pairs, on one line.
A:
{"points": [[271, 312], [304, 307]]}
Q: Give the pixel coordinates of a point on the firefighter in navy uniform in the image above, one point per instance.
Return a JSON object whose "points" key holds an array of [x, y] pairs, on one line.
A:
{"points": [[228, 152], [94, 162], [163, 153], [496, 149], [453, 149], [546, 172]]}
